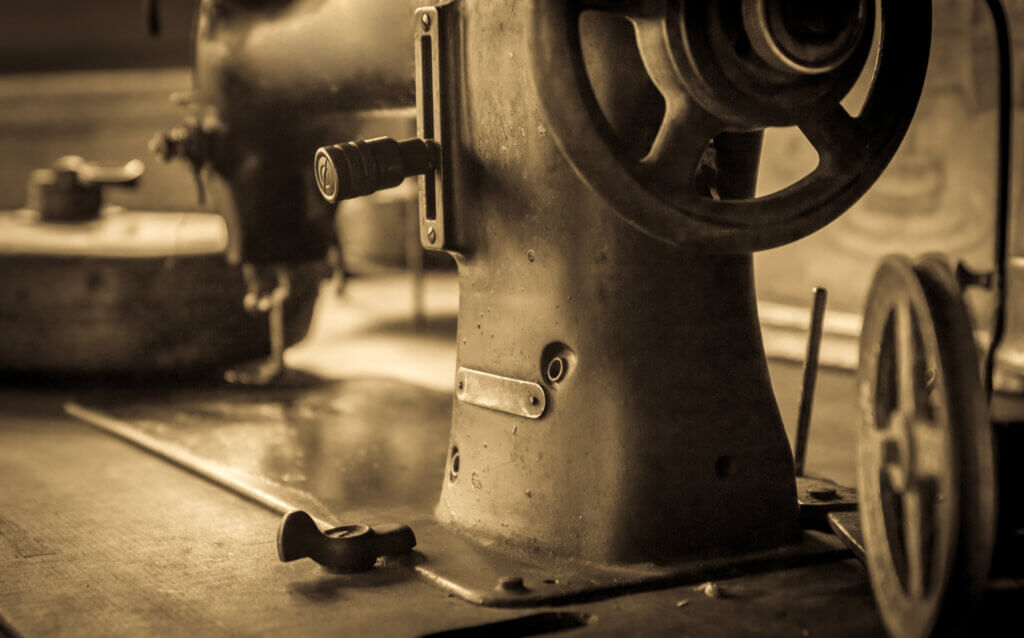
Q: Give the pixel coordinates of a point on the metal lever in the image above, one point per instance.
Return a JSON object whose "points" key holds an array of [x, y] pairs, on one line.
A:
{"points": [[94, 174], [346, 549], [72, 189]]}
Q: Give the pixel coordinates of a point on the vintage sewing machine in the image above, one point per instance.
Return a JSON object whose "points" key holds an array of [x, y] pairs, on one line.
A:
{"points": [[591, 168]]}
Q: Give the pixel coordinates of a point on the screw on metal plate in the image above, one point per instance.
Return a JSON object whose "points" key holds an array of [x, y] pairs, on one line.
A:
{"points": [[344, 550]]}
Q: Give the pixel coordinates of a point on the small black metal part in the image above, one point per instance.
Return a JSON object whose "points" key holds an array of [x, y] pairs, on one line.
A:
{"points": [[344, 550]]}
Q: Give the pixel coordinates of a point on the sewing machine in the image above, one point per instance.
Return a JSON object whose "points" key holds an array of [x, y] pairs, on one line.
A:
{"points": [[610, 436]]}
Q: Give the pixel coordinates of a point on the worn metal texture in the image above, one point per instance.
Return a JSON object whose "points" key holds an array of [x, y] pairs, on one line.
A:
{"points": [[926, 475], [84, 551], [203, 432], [661, 439]]}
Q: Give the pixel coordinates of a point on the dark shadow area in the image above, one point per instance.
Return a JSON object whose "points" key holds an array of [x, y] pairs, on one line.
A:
{"points": [[532, 625]]}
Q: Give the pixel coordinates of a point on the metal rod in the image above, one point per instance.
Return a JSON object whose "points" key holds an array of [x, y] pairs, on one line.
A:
{"points": [[1004, 49], [277, 499], [803, 423]]}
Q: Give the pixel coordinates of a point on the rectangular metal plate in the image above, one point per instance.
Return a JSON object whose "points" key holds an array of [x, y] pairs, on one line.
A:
{"points": [[504, 394], [430, 127]]}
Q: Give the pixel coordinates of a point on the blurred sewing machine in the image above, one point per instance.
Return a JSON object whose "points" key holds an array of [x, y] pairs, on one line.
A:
{"points": [[585, 428]]}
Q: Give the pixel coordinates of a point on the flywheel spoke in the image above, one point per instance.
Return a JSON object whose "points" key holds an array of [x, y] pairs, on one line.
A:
{"points": [[913, 542], [836, 135], [677, 150]]}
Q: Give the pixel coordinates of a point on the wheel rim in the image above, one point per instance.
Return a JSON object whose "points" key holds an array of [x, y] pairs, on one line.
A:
{"points": [[927, 503]]}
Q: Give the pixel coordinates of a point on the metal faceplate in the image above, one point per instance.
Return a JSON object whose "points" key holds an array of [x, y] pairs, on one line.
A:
{"points": [[431, 127]]}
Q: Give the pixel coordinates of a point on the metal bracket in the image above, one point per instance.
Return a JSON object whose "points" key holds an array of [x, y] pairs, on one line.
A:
{"points": [[430, 127], [504, 394]]}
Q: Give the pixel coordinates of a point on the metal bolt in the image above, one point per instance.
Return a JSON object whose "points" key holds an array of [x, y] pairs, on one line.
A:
{"points": [[431, 233], [823, 493], [511, 584], [425, 21]]}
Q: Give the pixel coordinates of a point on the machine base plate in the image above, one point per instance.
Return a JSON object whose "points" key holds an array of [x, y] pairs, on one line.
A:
{"points": [[373, 450]]}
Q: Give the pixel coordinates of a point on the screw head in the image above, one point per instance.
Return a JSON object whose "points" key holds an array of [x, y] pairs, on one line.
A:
{"points": [[425, 21], [431, 235]]}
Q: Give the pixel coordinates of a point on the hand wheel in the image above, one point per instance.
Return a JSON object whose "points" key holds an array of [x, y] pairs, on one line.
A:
{"points": [[736, 66], [926, 478]]}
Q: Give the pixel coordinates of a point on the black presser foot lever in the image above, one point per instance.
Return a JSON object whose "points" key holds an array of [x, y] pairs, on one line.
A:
{"points": [[344, 550]]}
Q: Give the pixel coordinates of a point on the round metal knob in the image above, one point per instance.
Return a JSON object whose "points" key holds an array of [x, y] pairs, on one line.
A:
{"points": [[355, 169]]}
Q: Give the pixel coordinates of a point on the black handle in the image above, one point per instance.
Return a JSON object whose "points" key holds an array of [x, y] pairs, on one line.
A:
{"points": [[346, 549]]}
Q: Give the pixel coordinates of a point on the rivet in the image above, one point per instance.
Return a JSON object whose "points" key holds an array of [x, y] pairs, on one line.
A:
{"points": [[425, 21], [431, 233]]}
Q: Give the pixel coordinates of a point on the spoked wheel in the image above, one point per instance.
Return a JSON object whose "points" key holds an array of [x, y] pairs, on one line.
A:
{"points": [[926, 480], [736, 66]]}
